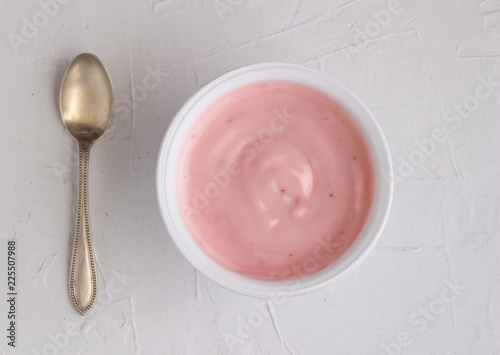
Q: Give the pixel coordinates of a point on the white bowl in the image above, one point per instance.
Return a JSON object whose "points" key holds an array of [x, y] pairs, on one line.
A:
{"points": [[168, 162]]}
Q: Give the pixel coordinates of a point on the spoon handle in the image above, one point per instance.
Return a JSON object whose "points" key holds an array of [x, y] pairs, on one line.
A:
{"points": [[83, 277]]}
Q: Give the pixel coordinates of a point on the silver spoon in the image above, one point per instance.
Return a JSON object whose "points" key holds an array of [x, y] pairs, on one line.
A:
{"points": [[87, 104]]}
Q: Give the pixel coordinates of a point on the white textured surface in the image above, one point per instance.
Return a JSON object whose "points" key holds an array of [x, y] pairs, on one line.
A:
{"points": [[415, 69]]}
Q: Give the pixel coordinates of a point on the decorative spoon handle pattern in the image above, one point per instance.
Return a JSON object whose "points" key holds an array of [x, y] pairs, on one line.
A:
{"points": [[83, 277]]}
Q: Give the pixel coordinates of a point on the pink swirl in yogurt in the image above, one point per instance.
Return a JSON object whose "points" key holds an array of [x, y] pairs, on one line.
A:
{"points": [[275, 181]]}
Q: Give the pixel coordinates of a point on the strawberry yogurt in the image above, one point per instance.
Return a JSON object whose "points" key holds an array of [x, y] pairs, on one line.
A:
{"points": [[275, 181]]}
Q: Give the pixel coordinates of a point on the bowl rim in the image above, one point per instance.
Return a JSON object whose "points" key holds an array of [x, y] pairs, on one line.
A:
{"points": [[277, 286]]}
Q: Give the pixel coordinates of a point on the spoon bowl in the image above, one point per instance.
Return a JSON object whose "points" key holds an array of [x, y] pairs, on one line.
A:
{"points": [[86, 99], [86, 102]]}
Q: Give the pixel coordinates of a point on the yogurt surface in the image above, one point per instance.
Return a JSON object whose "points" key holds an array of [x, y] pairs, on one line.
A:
{"points": [[275, 181]]}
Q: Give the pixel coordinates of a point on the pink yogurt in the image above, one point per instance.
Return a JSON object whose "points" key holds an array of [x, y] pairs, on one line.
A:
{"points": [[275, 181]]}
